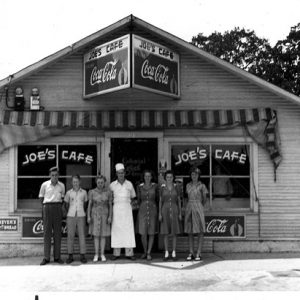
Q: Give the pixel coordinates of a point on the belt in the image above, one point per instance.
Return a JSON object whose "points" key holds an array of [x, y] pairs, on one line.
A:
{"points": [[52, 203]]}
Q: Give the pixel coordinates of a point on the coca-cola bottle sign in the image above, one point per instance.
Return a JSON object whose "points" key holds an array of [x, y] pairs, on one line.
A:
{"points": [[225, 226]]}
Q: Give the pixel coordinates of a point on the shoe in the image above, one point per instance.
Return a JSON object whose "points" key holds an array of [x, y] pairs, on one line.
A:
{"points": [[174, 258], [95, 259], [103, 258], [144, 256], [114, 257], [70, 259], [149, 257], [59, 261], [190, 257], [198, 258], [83, 259], [166, 257], [44, 262], [130, 257]]}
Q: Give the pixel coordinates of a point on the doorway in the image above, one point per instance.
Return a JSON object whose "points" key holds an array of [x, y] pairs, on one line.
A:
{"points": [[137, 155]]}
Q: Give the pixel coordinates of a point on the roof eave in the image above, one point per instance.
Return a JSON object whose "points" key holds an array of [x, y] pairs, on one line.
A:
{"points": [[64, 52], [217, 61]]}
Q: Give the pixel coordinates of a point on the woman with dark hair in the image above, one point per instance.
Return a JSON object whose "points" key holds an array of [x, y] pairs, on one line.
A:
{"points": [[147, 196], [99, 215], [194, 222], [169, 212]]}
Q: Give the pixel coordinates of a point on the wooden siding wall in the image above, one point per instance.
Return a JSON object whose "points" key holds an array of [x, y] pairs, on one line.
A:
{"points": [[203, 86]]}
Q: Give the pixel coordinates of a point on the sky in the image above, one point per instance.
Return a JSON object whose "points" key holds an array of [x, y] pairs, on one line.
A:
{"points": [[31, 30]]}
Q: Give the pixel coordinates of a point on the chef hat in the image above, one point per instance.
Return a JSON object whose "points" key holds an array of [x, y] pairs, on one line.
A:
{"points": [[119, 167]]}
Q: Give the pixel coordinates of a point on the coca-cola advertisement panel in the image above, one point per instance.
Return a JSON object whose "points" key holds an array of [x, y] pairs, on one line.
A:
{"points": [[106, 67], [155, 67], [225, 226], [32, 227]]}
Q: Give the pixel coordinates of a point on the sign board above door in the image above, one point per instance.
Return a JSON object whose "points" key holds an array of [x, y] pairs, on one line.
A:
{"points": [[131, 61], [106, 68]]}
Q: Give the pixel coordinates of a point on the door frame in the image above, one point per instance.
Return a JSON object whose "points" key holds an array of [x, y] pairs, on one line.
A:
{"points": [[129, 135]]}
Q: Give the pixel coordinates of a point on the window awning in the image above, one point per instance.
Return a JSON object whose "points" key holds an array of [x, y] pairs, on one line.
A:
{"points": [[135, 119], [19, 127]]}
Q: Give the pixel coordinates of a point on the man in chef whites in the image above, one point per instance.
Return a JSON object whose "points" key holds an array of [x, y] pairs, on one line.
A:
{"points": [[122, 229]]}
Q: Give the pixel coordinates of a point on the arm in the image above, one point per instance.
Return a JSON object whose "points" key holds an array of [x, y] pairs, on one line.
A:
{"points": [[159, 207], [90, 205], [109, 207], [66, 201], [204, 194], [179, 203]]}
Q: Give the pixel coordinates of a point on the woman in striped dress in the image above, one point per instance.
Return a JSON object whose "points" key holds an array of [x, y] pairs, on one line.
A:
{"points": [[194, 222]]}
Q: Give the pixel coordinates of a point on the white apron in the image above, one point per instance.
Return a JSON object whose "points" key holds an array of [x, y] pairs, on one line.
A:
{"points": [[122, 229]]}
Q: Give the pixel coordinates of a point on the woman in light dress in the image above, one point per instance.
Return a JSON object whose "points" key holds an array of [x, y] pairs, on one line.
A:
{"points": [[100, 215], [194, 221]]}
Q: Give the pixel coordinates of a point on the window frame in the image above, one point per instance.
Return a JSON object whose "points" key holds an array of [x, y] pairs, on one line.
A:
{"points": [[59, 140], [169, 142]]}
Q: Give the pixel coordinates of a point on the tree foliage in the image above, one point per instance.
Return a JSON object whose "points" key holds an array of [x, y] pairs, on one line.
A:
{"points": [[279, 64]]}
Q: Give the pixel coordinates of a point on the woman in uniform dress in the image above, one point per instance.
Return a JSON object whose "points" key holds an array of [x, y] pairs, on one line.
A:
{"points": [[99, 215], [194, 222], [147, 196], [169, 212]]}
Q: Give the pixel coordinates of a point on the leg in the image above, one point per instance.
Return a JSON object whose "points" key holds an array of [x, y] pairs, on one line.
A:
{"points": [[166, 242], [191, 243], [174, 242], [47, 223], [71, 224], [117, 252], [57, 218], [200, 243], [81, 234], [144, 242], [150, 244], [96, 244], [103, 242], [128, 252]]}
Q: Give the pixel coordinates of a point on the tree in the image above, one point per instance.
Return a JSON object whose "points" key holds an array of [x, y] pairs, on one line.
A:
{"points": [[279, 65]]}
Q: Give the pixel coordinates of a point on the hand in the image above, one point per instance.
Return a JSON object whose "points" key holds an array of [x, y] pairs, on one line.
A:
{"points": [[109, 220], [160, 218], [89, 220], [180, 218]]}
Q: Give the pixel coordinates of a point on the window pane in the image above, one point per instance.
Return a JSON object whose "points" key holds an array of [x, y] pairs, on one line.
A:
{"points": [[36, 160], [79, 159], [184, 157], [230, 160], [28, 192], [235, 196]]}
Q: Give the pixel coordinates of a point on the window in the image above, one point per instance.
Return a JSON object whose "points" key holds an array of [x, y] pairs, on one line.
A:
{"points": [[34, 162], [225, 170]]}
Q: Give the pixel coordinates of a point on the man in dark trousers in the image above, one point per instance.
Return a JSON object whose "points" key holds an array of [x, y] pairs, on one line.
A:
{"points": [[51, 195]]}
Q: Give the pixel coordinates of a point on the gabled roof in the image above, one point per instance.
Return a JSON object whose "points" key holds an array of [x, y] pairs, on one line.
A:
{"points": [[130, 21]]}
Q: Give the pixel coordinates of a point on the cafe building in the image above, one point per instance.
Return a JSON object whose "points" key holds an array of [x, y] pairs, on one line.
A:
{"points": [[136, 94]]}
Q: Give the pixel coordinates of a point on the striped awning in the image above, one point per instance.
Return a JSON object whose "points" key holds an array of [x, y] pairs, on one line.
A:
{"points": [[135, 119], [19, 127]]}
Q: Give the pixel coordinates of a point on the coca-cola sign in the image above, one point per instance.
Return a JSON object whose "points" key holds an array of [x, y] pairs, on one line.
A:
{"points": [[106, 68], [33, 227], [225, 226], [155, 67]]}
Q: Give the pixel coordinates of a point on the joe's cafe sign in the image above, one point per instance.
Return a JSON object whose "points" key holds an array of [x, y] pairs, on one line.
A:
{"points": [[153, 67]]}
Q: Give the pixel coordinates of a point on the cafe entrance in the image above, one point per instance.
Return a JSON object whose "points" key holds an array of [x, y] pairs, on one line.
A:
{"points": [[137, 154]]}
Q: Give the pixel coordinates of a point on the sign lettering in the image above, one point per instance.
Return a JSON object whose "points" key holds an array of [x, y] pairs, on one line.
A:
{"points": [[225, 226], [8, 224], [106, 67], [219, 154], [155, 67]]}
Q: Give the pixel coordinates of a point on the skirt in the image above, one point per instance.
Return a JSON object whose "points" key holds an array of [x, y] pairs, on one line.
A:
{"points": [[194, 221], [98, 225]]}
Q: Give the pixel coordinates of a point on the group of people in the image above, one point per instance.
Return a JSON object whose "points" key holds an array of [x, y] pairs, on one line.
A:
{"points": [[109, 213]]}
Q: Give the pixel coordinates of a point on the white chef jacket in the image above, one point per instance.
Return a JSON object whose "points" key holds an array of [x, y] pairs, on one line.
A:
{"points": [[122, 229]]}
